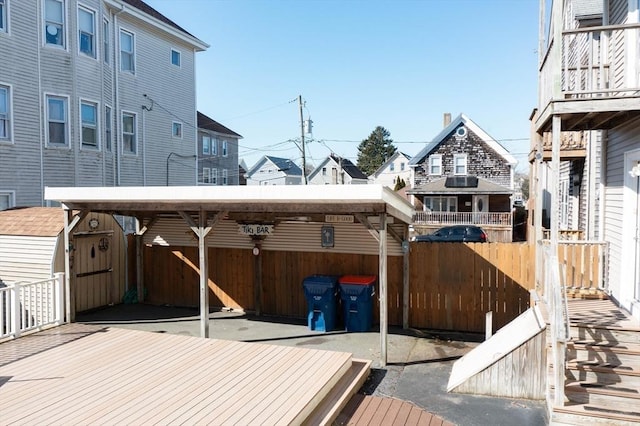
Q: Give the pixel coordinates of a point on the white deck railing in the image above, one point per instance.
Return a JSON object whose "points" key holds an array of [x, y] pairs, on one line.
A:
{"points": [[450, 218], [31, 306], [590, 64]]}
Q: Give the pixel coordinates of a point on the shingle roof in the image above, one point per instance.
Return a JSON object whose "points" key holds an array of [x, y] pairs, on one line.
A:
{"points": [[140, 5], [285, 165], [349, 168], [32, 221], [438, 187], [208, 123]]}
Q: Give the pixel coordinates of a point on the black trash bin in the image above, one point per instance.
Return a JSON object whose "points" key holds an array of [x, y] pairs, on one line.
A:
{"points": [[321, 292], [356, 292]]}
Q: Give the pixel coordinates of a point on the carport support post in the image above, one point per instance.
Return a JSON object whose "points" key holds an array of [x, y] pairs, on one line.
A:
{"points": [[382, 264], [204, 274], [67, 266]]}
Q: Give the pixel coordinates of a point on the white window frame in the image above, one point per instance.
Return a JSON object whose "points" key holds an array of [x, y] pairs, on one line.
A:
{"points": [[95, 126], [134, 135], [11, 196], [450, 203], [225, 147], [214, 146], [93, 53], [65, 99], [392, 167], [206, 175], [456, 159], [131, 53], [7, 116], [106, 41], [324, 171], [214, 176], [108, 128], [4, 16], [49, 23], [402, 166], [225, 177], [563, 203], [432, 165], [206, 151], [176, 129], [179, 56]]}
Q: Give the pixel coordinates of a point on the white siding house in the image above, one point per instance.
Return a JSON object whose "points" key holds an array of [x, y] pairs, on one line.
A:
{"points": [[396, 167], [94, 93], [271, 170], [335, 170]]}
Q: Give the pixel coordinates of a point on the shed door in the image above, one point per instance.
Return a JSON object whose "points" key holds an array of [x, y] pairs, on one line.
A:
{"points": [[93, 271]]}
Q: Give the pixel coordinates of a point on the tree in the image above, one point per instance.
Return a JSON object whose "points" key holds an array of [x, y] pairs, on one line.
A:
{"points": [[375, 150], [400, 183]]}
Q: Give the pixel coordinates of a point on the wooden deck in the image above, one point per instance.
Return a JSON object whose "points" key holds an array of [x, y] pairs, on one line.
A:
{"points": [[599, 313], [79, 374]]}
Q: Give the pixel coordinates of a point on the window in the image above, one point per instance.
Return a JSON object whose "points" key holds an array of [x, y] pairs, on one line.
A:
{"points": [[214, 146], [324, 171], [460, 164], [214, 176], [54, 22], [564, 203], [87, 32], [127, 59], [107, 128], [3, 16], [206, 144], [105, 40], [89, 118], [5, 114], [176, 130], [57, 108], [441, 204], [224, 147], [175, 57], [206, 175], [129, 133], [392, 167], [7, 200], [435, 164], [402, 166], [225, 177]]}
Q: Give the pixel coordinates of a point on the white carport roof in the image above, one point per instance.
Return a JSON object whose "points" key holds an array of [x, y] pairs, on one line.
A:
{"points": [[202, 206]]}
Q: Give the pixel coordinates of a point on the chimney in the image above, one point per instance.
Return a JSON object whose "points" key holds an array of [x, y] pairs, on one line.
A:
{"points": [[447, 119]]}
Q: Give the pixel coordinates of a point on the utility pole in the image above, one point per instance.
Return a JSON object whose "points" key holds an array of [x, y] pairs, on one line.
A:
{"points": [[304, 159]]}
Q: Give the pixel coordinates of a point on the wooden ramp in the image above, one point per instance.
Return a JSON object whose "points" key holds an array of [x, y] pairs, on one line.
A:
{"points": [[78, 374], [509, 364]]}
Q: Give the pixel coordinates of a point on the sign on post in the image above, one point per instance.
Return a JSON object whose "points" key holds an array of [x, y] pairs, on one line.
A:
{"points": [[255, 229]]}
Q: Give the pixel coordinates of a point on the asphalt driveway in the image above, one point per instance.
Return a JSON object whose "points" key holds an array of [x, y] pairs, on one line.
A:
{"points": [[417, 370]]}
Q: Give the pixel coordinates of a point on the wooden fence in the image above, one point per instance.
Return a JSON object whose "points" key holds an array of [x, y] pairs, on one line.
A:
{"points": [[452, 286]]}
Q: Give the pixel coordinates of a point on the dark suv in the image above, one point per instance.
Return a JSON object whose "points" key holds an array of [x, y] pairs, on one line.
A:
{"points": [[456, 233]]}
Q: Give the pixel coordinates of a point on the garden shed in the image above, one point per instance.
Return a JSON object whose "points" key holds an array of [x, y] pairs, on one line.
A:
{"points": [[32, 249]]}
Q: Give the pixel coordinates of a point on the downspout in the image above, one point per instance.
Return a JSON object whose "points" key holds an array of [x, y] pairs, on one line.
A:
{"points": [[42, 112], [116, 94], [195, 120]]}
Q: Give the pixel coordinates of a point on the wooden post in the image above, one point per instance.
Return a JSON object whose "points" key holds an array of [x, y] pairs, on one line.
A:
{"points": [[204, 274], [257, 280], [16, 309], [488, 325], [405, 280], [67, 265], [139, 267], [59, 300], [382, 279]]}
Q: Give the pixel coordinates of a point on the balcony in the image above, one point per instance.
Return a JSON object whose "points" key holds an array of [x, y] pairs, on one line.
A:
{"points": [[573, 146], [594, 89], [463, 218]]}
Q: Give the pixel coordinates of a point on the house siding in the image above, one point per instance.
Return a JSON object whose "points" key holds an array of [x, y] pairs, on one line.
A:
{"points": [[218, 161], [26, 258], [620, 140], [481, 160], [33, 71]]}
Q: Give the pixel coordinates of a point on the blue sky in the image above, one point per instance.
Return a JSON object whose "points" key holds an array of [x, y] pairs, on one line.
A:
{"points": [[358, 64]]}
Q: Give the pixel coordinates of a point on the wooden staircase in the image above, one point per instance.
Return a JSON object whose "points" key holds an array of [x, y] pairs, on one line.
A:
{"points": [[602, 371]]}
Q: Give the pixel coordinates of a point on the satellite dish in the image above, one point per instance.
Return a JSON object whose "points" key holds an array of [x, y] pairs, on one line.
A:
{"points": [[52, 30]]}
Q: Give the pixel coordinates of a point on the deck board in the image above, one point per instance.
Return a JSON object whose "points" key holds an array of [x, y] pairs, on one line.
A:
{"points": [[118, 376]]}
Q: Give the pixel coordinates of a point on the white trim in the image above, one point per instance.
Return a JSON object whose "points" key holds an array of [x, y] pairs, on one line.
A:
{"points": [[179, 64], [214, 176], [430, 160], [225, 177], [180, 126], [11, 138], [630, 205], [131, 71], [98, 145], [135, 134], [94, 13], [65, 25], [67, 144], [106, 41], [5, 28], [455, 165], [225, 148], [12, 196], [108, 142]]}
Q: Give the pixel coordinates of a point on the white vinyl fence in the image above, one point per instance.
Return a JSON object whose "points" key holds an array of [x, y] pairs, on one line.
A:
{"points": [[31, 306]]}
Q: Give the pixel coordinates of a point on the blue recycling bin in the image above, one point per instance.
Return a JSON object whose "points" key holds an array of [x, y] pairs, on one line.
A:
{"points": [[321, 292], [356, 292]]}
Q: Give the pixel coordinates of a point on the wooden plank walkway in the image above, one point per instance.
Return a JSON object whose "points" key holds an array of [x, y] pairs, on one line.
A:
{"points": [[79, 374], [603, 313]]}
